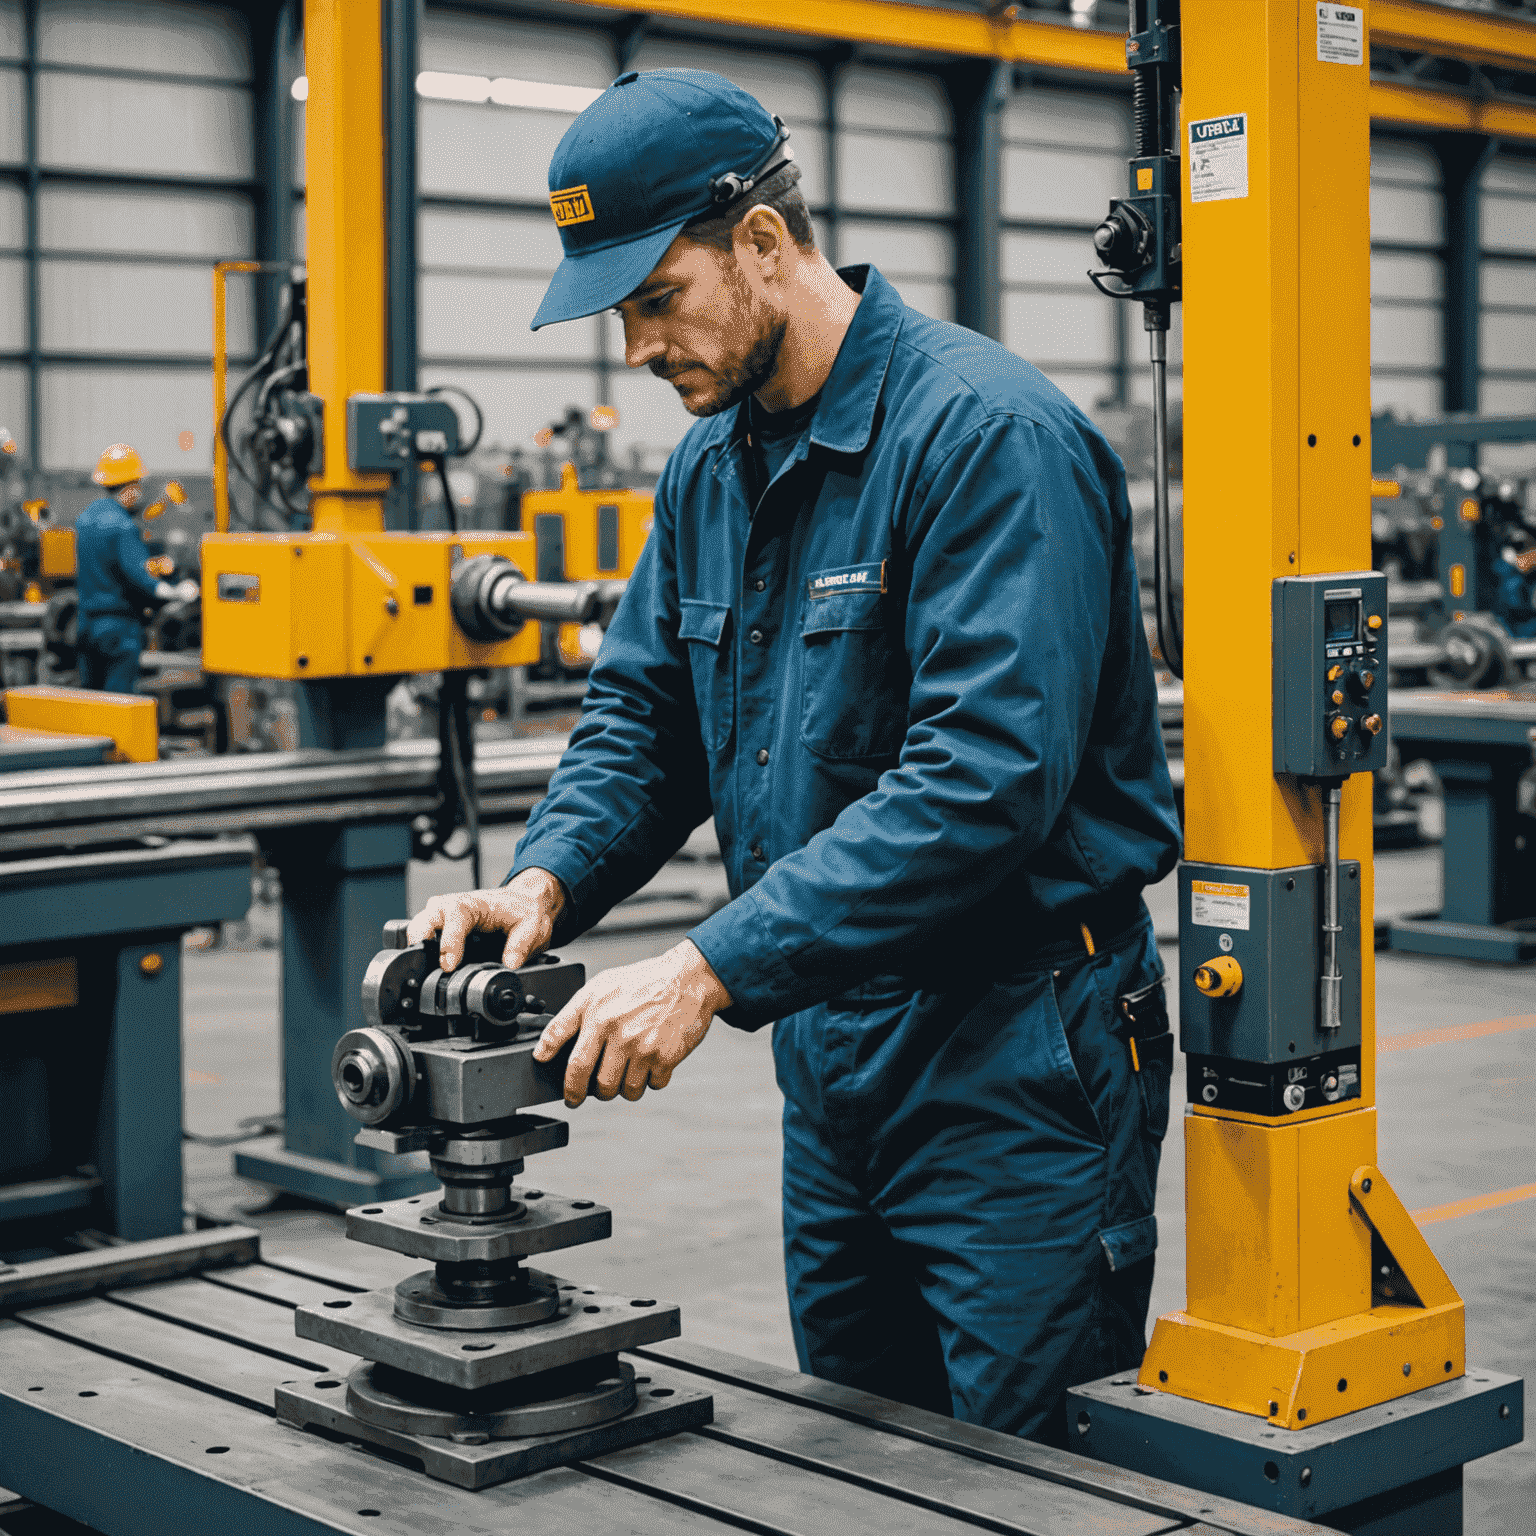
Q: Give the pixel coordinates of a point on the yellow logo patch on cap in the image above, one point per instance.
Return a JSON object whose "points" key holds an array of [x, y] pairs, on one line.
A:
{"points": [[571, 205]]}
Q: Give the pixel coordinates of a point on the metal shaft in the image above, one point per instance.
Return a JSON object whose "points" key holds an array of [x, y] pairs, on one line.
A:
{"points": [[1332, 981], [1169, 640]]}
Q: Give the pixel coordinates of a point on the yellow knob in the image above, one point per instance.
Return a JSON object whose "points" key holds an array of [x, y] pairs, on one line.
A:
{"points": [[1337, 696], [1338, 727], [1373, 622], [1335, 672], [1221, 977], [1371, 723]]}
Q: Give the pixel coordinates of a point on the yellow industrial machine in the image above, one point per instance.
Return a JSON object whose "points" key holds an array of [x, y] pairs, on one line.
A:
{"points": [[124, 720], [1313, 1301]]}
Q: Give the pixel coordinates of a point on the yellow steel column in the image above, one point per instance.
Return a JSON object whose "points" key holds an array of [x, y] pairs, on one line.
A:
{"points": [[344, 208], [1276, 483]]}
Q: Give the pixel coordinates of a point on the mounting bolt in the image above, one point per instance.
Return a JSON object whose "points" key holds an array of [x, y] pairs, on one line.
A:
{"points": [[1365, 1186]]}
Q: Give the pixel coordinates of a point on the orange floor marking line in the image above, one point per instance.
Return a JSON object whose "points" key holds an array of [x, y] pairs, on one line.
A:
{"points": [[1475, 1203], [1452, 1032]]}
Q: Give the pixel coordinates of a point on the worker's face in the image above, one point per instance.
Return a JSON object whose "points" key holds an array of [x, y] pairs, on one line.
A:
{"points": [[711, 322], [130, 495]]}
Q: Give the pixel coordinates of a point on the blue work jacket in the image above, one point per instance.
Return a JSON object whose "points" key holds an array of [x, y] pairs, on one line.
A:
{"points": [[912, 684], [111, 574]]}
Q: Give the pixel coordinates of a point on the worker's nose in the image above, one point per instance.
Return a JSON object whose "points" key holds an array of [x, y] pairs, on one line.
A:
{"points": [[640, 345]]}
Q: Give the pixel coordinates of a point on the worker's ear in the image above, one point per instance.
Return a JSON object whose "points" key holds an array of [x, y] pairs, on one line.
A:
{"points": [[762, 238]]}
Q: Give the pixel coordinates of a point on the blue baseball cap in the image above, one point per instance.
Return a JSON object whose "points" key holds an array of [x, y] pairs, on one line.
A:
{"points": [[652, 153]]}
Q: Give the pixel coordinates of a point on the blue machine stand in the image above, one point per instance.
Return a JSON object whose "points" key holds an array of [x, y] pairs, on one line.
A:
{"points": [[1392, 1470], [1483, 747], [90, 1054], [341, 884]]}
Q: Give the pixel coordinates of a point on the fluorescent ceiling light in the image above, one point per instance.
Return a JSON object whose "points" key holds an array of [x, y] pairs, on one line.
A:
{"points": [[540, 95]]}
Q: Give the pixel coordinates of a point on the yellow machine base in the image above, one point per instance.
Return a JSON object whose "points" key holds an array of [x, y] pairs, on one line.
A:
{"points": [[1311, 1377], [129, 720]]}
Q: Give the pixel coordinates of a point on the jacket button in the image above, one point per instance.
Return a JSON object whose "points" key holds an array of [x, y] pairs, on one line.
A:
{"points": [[757, 851], [756, 637], [762, 757], [758, 586]]}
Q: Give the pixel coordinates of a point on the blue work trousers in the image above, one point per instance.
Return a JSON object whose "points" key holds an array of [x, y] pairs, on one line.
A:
{"points": [[969, 1176], [108, 647]]}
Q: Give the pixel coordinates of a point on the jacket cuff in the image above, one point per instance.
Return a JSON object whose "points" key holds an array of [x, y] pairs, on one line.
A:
{"points": [[741, 952]]}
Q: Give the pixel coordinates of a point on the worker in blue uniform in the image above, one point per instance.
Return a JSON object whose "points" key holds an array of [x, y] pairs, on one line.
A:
{"points": [[113, 578], [887, 630]]}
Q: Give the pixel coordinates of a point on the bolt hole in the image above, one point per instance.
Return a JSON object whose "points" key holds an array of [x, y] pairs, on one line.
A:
{"points": [[327, 1383], [1407, 1368], [1290, 885], [1357, 439], [1162, 1375], [335, 1304], [591, 1309], [1343, 1385], [650, 1302], [474, 1349], [34, 1389], [369, 1513], [1271, 1471], [1447, 1367], [373, 1210], [589, 1293], [1274, 1408], [567, 1287], [413, 1202], [1084, 1422], [1311, 439], [642, 1381], [215, 1450], [1292, 1047], [1301, 1413], [661, 1391], [87, 1394]]}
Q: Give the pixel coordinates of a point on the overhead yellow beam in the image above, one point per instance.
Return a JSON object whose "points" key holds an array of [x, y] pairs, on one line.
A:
{"points": [[1456, 34], [1411, 107], [1047, 45]]}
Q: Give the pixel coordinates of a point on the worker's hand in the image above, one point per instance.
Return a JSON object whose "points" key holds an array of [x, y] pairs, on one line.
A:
{"points": [[524, 909], [187, 590], [634, 1024]]}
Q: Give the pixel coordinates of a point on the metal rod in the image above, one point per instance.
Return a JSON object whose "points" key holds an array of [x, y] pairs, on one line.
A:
{"points": [[1170, 642], [1332, 981]]}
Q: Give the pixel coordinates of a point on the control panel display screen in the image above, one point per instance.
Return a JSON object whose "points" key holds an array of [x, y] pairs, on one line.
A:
{"points": [[1341, 620]]}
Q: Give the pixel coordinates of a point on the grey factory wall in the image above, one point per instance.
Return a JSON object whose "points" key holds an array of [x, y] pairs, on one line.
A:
{"points": [[144, 151]]}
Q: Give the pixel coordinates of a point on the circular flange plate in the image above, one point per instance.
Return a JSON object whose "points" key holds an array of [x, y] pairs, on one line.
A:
{"points": [[583, 1395], [419, 1300]]}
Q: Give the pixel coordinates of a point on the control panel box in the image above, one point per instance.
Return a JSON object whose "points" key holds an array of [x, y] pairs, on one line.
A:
{"points": [[1330, 674], [1249, 1013], [385, 432]]}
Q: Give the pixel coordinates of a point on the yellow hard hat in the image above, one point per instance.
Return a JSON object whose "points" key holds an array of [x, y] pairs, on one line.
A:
{"points": [[118, 465]]}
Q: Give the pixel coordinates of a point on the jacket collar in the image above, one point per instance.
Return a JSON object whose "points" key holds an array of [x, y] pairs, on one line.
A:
{"points": [[845, 419]]}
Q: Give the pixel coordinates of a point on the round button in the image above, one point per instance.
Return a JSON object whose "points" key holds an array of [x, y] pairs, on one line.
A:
{"points": [[762, 757], [756, 637], [1208, 1093], [758, 586], [757, 851], [1295, 1096]]}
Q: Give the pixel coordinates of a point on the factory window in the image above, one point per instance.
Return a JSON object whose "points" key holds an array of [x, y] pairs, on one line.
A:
{"points": [[1063, 160], [1508, 339], [119, 344], [1407, 279]]}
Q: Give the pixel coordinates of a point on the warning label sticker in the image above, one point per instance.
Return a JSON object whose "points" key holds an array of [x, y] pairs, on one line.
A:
{"points": [[1340, 34], [1218, 158], [1214, 905]]}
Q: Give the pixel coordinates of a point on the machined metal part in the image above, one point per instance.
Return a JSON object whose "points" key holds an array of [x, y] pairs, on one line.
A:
{"points": [[493, 1296], [589, 1323], [492, 599], [415, 1226], [519, 1136], [667, 1402], [470, 1086], [573, 1398], [373, 1074]]}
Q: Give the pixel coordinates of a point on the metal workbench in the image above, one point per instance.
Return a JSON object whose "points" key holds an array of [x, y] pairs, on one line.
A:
{"points": [[150, 1409]]}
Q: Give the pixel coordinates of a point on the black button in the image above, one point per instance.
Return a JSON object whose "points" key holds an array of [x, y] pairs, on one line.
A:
{"points": [[757, 851], [756, 637], [757, 586], [762, 757]]}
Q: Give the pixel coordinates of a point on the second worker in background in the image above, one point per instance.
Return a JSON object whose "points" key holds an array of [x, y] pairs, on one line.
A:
{"points": [[887, 630]]}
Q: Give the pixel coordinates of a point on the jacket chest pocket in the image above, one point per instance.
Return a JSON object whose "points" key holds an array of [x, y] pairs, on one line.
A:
{"points": [[855, 681], [705, 627]]}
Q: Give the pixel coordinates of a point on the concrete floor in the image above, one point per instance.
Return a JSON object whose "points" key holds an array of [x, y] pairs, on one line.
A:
{"points": [[693, 1174]]}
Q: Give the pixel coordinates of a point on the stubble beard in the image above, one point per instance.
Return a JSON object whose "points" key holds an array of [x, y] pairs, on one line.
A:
{"points": [[734, 381]]}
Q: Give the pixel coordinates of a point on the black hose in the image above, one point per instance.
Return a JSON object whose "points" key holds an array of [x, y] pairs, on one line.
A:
{"points": [[449, 510], [474, 405]]}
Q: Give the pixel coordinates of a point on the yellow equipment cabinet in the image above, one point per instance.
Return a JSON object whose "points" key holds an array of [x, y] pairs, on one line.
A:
{"points": [[56, 554], [327, 605]]}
